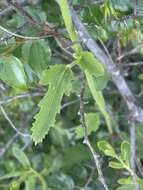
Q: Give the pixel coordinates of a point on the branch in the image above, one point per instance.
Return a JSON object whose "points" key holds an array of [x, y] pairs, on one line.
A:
{"points": [[21, 36], [12, 124], [86, 139], [8, 36], [20, 96], [135, 111], [132, 51], [8, 144]]}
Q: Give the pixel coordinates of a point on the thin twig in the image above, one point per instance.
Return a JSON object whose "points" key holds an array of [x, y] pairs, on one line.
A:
{"points": [[86, 139], [12, 124], [133, 64], [20, 96], [90, 178], [97, 163], [68, 104], [21, 36], [8, 36], [139, 166], [12, 139], [132, 51], [8, 144]]}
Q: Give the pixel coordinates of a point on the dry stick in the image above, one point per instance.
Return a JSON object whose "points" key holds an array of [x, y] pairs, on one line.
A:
{"points": [[86, 139], [118, 79], [133, 154]]}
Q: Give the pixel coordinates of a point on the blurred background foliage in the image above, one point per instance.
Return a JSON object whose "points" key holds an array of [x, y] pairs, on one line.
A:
{"points": [[62, 162]]}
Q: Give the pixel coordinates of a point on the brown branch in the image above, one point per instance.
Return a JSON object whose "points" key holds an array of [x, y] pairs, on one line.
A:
{"points": [[135, 111]]}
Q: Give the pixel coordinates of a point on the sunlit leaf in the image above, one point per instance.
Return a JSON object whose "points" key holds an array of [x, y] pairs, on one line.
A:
{"points": [[90, 64], [125, 151], [59, 79], [116, 165], [105, 147], [98, 97], [92, 122]]}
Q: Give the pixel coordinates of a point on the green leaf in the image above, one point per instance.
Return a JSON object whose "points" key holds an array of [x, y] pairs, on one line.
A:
{"points": [[55, 164], [59, 79], [106, 148], [67, 19], [21, 157], [92, 121], [64, 6], [30, 183], [125, 181], [61, 181], [98, 97], [59, 136], [126, 187], [37, 14], [25, 50], [15, 185], [90, 64], [121, 5], [39, 57], [140, 182], [140, 76], [101, 82], [12, 72], [82, 156], [10, 175], [139, 139], [116, 165], [125, 151]]}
